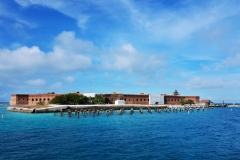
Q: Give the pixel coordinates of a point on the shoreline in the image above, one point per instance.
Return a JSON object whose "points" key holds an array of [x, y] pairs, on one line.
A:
{"points": [[58, 108]]}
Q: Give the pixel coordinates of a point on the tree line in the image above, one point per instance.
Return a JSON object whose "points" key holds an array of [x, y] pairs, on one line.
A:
{"points": [[74, 99], [183, 101]]}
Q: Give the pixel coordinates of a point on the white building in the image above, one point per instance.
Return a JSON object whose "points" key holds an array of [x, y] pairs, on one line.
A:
{"points": [[156, 99], [119, 102], [89, 94]]}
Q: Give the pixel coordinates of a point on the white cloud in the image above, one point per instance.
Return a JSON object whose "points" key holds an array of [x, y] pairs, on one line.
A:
{"points": [[17, 21], [211, 83], [229, 62], [68, 54], [69, 79], [218, 66], [59, 60], [21, 60], [166, 23], [129, 60], [129, 48], [3, 95], [82, 20], [67, 42], [205, 67], [158, 21], [233, 61], [36, 82], [56, 85], [68, 8], [72, 54]]}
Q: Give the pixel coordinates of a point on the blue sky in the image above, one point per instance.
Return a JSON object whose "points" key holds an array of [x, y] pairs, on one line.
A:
{"points": [[128, 46]]}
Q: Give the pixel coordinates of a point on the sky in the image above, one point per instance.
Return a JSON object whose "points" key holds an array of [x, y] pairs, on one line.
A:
{"points": [[127, 46]]}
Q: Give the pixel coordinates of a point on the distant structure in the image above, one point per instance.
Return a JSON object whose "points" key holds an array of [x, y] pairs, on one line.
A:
{"points": [[175, 100], [206, 102], [32, 99], [142, 98], [175, 93], [89, 94], [156, 99], [119, 102]]}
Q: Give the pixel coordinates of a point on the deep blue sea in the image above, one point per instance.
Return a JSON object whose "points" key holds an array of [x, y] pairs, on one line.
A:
{"points": [[212, 134]]}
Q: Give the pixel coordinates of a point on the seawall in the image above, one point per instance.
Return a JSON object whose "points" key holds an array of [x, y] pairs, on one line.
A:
{"points": [[58, 108]]}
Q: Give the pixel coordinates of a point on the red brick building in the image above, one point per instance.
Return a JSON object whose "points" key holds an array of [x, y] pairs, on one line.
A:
{"points": [[142, 98], [175, 100], [128, 98], [32, 99]]}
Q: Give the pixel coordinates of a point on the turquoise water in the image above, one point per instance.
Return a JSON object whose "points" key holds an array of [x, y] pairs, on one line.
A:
{"points": [[212, 134]]}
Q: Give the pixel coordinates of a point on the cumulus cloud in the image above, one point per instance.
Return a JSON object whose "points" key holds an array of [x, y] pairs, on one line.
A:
{"points": [[71, 54], [68, 42], [68, 54], [21, 61], [129, 60], [62, 61]]}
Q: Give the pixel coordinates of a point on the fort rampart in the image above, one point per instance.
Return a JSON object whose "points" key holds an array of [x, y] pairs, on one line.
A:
{"points": [[142, 99]]}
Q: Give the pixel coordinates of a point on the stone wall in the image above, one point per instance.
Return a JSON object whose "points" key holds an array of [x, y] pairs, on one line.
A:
{"points": [[128, 98], [175, 100], [31, 99]]}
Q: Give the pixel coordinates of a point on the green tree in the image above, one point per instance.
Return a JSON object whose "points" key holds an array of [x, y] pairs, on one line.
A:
{"points": [[83, 99], [189, 101], [99, 99], [59, 100], [71, 98], [182, 101]]}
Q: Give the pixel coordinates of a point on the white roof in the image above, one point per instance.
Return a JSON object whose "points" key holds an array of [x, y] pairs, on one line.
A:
{"points": [[89, 94]]}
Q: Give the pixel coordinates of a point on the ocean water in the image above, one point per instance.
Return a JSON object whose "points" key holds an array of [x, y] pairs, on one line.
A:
{"points": [[212, 134]]}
